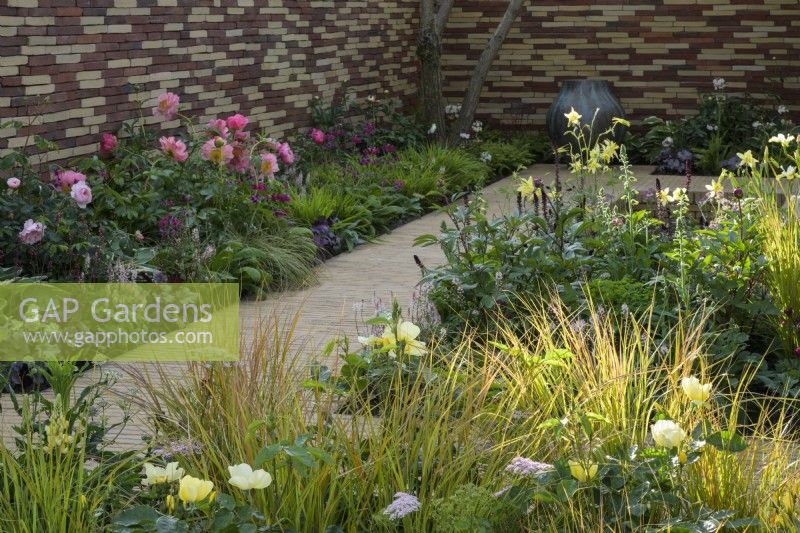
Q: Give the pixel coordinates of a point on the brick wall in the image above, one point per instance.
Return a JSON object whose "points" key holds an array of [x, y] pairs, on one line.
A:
{"points": [[658, 55], [266, 59]]}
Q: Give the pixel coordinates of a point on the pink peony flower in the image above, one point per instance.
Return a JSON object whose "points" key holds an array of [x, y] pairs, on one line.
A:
{"points": [[218, 128], [286, 153], [82, 194], [241, 158], [241, 136], [32, 232], [108, 143], [174, 149], [318, 136], [237, 122], [13, 183], [167, 106], [217, 151], [269, 164], [67, 178]]}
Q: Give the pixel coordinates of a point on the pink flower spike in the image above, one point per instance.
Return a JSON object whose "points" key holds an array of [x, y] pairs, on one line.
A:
{"points": [[167, 106], [174, 149], [108, 143], [218, 127], [32, 232], [13, 183], [318, 136], [269, 165], [237, 122], [82, 194], [286, 154]]}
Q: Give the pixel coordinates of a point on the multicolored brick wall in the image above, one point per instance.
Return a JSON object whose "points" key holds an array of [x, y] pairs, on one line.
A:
{"points": [[659, 55], [266, 59]]}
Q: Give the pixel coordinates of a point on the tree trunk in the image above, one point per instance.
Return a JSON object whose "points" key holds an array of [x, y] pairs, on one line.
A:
{"points": [[433, 19], [481, 70]]}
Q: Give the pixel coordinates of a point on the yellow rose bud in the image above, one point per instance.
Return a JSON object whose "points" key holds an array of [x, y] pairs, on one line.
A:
{"points": [[170, 503]]}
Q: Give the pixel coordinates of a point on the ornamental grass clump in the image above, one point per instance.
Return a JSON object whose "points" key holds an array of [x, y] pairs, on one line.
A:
{"points": [[615, 424]]}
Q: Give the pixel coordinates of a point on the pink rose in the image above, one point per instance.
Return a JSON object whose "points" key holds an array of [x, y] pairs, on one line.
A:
{"points": [[318, 136], [82, 194], [32, 232], [167, 106], [218, 127], [67, 178], [237, 122], [174, 149], [269, 164], [13, 183], [107, 144], [286, 153], [217, 151]]}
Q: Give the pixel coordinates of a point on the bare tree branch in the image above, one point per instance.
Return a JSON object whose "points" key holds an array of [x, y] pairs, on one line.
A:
{"points": [[481, 70], [442, 16]]}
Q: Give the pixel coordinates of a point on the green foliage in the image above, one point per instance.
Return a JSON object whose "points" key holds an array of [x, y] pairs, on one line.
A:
{"points": [[474, 509], [507, 154]]}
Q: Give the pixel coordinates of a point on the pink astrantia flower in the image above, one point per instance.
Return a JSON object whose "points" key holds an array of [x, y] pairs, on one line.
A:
{"points": [[108, 143], [82, 194], [218, 128], [318, 136], [13, 183], [237, 122], [67, 178], [269, 164], [167, 106], [32, 232], [286, 154], [217, 151], [174, 149]]}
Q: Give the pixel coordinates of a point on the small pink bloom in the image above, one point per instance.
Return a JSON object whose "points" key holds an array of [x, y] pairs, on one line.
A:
{"points": [[174, 148], [269, 164], [67, 178], [13, 183], [138, 236], [217, 151], [318, 136], [237, 122], [241, 136], [32, 232], [241, 158], [167, 106], [82, 194], [108, 144], [218, 127], [286, 153]]}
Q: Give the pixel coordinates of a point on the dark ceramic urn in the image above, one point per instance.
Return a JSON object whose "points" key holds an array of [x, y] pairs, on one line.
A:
{"points": [[587, 97]]}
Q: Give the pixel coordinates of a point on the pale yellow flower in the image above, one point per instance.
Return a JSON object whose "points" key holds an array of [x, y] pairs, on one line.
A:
{"points": [[407, 333], [609, 150], [678, 194], [716, 189], [781, 139], [583, 472], [790, 172], [170, 503], [193, 490], [667, 434], [747, 159], [527, 188], [663, 196], [155, 475], [696, 391], [573, 118], [244, 477]]}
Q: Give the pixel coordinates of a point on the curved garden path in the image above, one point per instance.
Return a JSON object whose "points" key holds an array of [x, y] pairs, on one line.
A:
{"points": [[384, 269]]}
